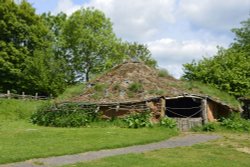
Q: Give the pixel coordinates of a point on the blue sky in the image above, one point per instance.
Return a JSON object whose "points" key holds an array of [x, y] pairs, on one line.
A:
{"points": [[176, 31]]}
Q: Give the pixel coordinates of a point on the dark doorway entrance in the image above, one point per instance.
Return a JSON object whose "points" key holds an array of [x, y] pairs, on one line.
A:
{"points": [[184, 107]]}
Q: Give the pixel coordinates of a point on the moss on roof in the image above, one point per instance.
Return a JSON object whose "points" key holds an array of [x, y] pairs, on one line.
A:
{"points": [[132, 81]]}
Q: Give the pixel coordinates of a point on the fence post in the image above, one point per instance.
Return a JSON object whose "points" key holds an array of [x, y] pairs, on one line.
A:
{"points": [[8, 94], [23, 95], [36, 96]]}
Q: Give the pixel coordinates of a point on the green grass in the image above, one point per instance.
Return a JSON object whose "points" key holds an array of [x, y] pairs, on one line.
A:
{"points": [[212, 92], [21, 140], [71, 91], [12, 109], [231, 151]]}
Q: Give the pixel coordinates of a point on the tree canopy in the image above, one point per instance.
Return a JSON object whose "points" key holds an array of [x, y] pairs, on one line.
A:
{"points": [[45, 53], [229, 69]]}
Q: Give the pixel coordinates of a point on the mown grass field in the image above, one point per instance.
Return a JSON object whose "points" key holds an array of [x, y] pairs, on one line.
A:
{"points": [[20, 140], [232, 150]]}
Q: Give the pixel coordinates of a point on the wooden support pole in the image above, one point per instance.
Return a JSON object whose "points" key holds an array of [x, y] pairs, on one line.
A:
{"points": [[204, 111], [163, 107], [36, 96]]}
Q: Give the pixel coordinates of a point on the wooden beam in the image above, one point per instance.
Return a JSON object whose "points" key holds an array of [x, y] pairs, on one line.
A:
{"points": [[163, 107], [204, 111]]}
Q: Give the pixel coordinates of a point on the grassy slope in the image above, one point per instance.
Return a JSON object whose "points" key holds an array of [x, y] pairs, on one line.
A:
{"points": [[228, 151], [211, 92], [21, 140]]}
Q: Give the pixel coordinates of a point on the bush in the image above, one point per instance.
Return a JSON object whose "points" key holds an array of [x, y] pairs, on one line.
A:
{"points": [[138, 120], [168, 122], [163, 73], [135, 87], [64, 115], [236, 124], [209, 127]]}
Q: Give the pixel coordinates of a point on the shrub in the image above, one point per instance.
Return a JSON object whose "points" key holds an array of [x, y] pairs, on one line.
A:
{"points": [[100, 87], [209, 127], [135, 87], [64, 115], [156, 92], [168, 122], [138, 120], [236, 124], [163, 73]]}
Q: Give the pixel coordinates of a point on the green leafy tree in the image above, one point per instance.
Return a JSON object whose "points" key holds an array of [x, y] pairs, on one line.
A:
{"points": [[229, 69], [22, 35], [89, 42], [138, 52]]}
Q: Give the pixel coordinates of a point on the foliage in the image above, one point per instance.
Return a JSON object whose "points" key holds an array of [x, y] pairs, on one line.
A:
{"points": [[233, 123], [46, 53], [211, 91], [89, 41], [157, 92], [168, 122], [229, 69], [71, 91], [138, 120], [209, 127], [135, 87], [138, 52], [236, 123], [24, 45], [163, 73], [64, 115], [45, 73]]}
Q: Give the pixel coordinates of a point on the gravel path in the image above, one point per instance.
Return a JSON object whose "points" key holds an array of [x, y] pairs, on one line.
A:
{"points": [[187, 140]]}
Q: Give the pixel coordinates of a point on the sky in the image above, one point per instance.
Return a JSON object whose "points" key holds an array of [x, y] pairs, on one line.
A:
{"points": [[175, 31]]}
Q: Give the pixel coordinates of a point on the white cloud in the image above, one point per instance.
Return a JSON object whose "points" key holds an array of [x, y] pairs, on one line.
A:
{"points": [[138, 20], [214, 14], [171, 54], [176, 31], [66, 6]]}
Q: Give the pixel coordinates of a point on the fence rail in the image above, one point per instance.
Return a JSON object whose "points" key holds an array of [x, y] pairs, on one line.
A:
{"points": [[10, 95]]}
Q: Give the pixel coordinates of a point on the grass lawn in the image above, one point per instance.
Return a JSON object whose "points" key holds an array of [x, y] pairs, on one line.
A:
{"points": [[21, 140], [232, 150]]}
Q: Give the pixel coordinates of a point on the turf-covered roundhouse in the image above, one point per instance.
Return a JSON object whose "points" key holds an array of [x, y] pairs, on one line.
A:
{"points": [[134, 87]]}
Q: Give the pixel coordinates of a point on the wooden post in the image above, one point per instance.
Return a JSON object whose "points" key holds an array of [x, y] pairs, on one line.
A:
{"points": [[23, 95], [8, 94], [36, 96], [163, 107], [204, 111]]}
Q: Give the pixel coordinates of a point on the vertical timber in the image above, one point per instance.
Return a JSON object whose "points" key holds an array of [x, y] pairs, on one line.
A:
{"points": [[163, 107], [204, 111]]}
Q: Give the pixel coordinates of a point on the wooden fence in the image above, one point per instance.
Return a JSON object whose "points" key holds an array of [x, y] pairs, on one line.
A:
{"points": [[10, 95]]}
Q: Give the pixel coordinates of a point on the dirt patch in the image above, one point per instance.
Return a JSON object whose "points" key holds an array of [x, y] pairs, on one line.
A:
{"points": [[244, 150]]}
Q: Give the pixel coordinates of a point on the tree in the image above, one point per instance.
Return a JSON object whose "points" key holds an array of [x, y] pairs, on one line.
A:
{"points": [[43, 73], [140, 52], [89, 42], [22, 35], [229, 69]]}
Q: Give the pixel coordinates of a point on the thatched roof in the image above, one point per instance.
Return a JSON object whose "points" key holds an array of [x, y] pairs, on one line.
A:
{"points": [[130, 81], [133, 82]]}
